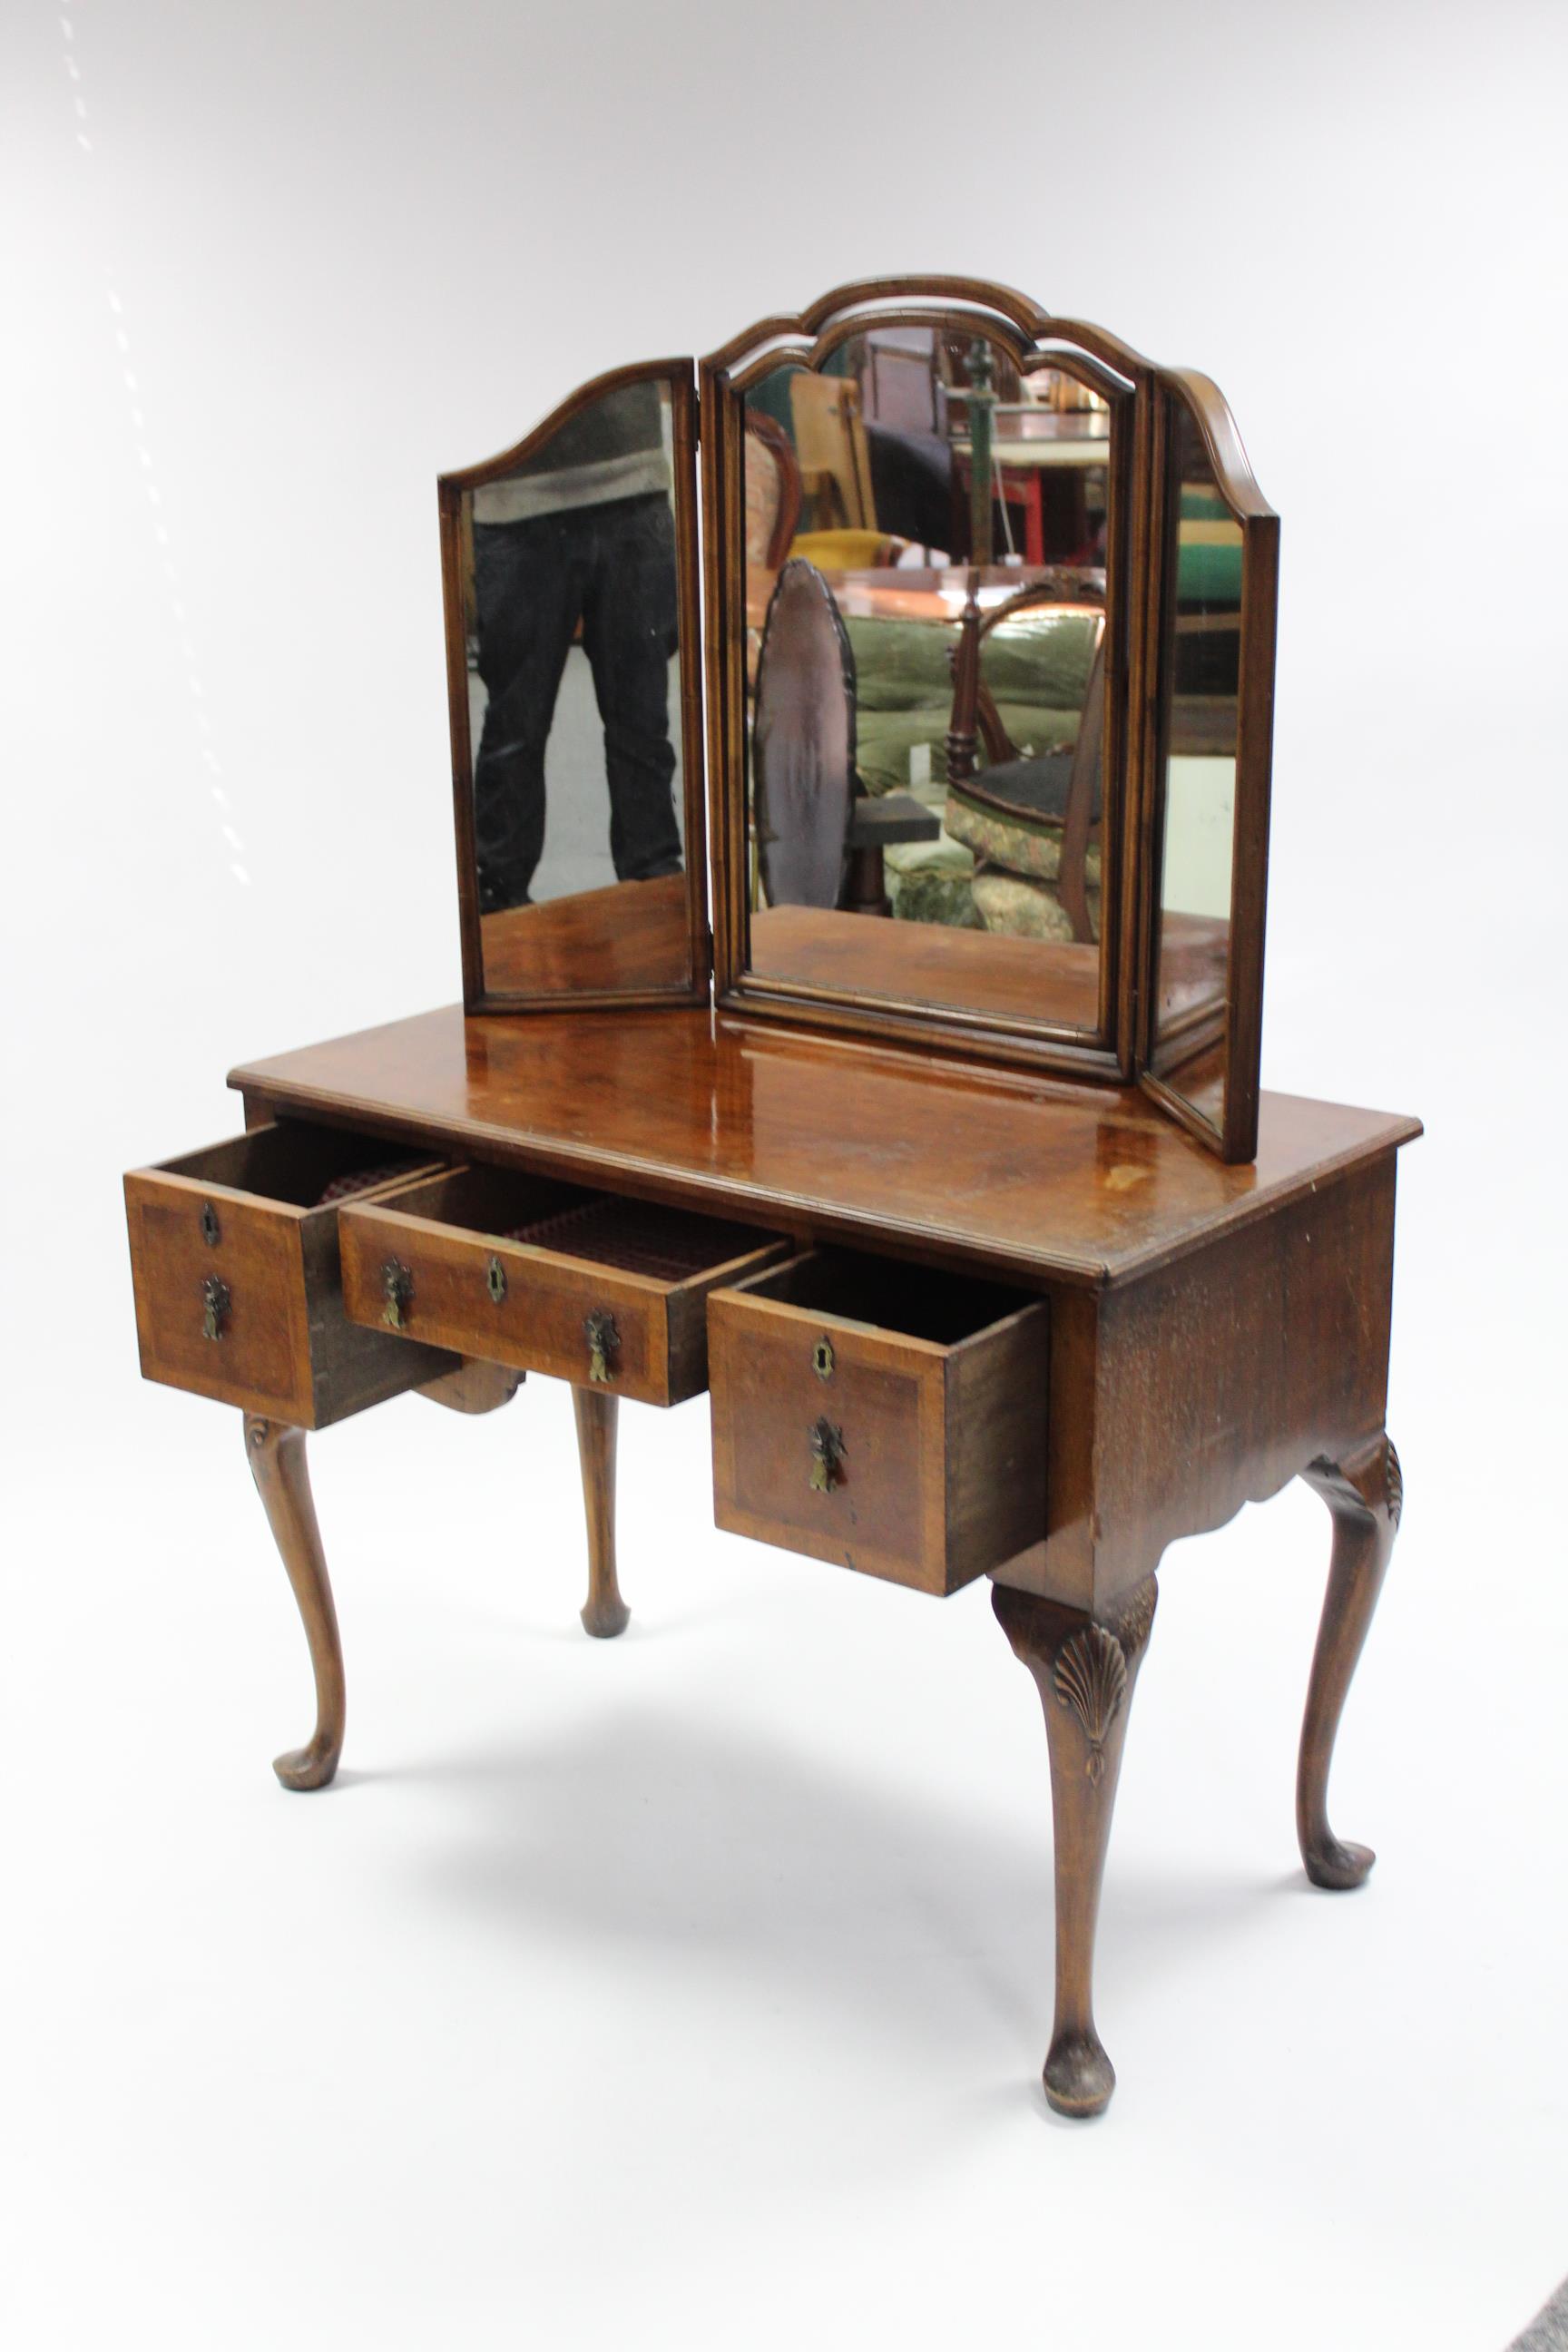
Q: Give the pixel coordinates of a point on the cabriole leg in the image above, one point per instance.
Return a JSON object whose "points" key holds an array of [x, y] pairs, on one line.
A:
{"points": [[1084, 1670], [276, 1457], [1365, 1496], [604, 1614]]}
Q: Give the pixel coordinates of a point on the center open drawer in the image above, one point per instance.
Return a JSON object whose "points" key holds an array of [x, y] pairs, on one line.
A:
{"points": [[547, 1276], [886, 1416]]}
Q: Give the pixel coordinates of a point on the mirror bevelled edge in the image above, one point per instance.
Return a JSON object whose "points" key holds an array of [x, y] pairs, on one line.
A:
{"points": [[1217, 1101], [675, 380]]}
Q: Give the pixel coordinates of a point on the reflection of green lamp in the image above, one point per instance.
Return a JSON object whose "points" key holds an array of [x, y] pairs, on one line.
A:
{"points": [[982, 401]]}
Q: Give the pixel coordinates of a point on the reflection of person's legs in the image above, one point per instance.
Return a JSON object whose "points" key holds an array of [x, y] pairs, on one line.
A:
{"points": [[629, 633], [528, 579]]}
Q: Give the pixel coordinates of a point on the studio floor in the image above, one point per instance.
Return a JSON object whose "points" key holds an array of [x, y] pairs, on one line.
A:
{"points": [[692, 1989]]}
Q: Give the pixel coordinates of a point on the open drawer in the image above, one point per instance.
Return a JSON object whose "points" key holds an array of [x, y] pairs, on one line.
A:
{"points": [[234, 1256], [548, 1276], [882, 1415]]}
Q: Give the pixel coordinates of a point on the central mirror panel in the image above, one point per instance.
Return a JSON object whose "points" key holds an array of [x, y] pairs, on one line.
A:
{"points": [[570, 688], [932, 520]]}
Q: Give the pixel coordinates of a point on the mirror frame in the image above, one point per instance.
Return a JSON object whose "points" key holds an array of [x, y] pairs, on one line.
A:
{"points": [[693, 987], [1235, 1138], [1035, 340]]}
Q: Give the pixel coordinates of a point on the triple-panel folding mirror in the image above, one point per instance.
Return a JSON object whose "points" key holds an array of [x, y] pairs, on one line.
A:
{"points": [[985, 668]]}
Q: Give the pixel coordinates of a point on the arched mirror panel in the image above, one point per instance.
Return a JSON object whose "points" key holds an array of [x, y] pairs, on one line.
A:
{"points": [[924, 794]]}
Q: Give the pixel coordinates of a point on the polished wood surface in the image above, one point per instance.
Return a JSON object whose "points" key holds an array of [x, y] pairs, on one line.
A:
{"points": [[278, 1464], [802, 1134], [628, 938]]}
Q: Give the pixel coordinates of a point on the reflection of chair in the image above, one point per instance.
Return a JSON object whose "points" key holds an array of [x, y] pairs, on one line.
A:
{"points": [[819, 839], [773, 491], [1029, 816], [830, 444]]}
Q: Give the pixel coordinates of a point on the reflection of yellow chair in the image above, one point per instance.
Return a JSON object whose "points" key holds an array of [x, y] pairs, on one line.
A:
{"points": [[830, 443], [848, 551]]}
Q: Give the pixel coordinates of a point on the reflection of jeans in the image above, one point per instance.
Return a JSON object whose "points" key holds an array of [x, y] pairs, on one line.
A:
{"points": [[612, 567]]}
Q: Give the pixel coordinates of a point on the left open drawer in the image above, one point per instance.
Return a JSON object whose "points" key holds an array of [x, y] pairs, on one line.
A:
{"points": [[234, 1255]]}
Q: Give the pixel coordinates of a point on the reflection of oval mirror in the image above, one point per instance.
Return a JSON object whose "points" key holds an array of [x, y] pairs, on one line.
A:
{"points": [[803, 742], [570, 745]]}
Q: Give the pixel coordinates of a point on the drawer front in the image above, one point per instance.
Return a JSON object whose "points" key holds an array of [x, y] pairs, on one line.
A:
{"points": [[866, 1493], [453, 1262], [224, 1316], [234, 1260], [914, 1455], [535, 1315]]}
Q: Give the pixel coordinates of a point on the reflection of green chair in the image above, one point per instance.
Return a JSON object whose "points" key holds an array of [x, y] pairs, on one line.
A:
{"points": [[1036, 666], [1027, 813]]}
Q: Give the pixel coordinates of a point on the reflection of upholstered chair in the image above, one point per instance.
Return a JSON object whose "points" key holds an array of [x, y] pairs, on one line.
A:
{"points": [[773, 491], [830, 444], [1030, 817]]}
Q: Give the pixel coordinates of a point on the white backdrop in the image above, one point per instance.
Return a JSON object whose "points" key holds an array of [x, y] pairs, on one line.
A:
{"points": [[693, 1989]]}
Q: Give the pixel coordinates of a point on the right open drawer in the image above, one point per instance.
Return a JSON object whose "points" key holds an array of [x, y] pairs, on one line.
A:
{"points": [[886, 1416]]}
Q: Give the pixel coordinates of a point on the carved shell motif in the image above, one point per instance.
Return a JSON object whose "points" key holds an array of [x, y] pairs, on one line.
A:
{"points": [[1394, 1483], [1091, 1679]]}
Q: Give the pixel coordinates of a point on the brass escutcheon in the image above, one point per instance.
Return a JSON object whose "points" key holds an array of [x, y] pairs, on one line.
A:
{"points": [[214, 1306], [397, 1286], [212, 1231], [495, 1280], [828, 1452], [822, 1360], [603, 1340]]}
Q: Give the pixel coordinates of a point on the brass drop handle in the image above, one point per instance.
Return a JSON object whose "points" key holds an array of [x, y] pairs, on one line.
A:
{"points": [[602, 1341], [397, 1286], [828, 1452], [214, 1306]]}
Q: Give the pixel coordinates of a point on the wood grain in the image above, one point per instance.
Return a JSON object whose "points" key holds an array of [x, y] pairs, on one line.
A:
{"points": [[1071, 1184]]}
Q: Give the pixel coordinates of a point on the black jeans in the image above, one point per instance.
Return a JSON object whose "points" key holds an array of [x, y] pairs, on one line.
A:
{"points": [[612, 567]]}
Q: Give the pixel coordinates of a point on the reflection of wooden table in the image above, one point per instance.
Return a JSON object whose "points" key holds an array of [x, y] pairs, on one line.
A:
{"points": [[929, 593], [565, 944], [1022, 462], [1038, 980]]}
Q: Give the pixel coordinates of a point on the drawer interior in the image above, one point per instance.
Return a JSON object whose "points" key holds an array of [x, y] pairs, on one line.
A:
{"points": [[639, 1237], [919, 1302], [305, 1167]]}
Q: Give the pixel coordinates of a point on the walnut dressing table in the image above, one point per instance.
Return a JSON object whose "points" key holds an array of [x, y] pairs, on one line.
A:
{"points": [[1027, 1286]]}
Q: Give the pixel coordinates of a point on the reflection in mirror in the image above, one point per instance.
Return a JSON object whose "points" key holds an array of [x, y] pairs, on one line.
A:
{"points": [[926, 541], [572, 642], [1203, 667]]}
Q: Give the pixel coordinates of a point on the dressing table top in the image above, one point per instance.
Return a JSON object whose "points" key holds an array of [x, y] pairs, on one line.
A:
{"points": [[1079, 1184]]}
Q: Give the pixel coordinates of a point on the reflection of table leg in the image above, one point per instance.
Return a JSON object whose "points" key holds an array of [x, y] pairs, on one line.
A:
{"points": [[866, 891], [277, 1454], [1364, 1498], [604, 1614], [1084, 1671]]}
